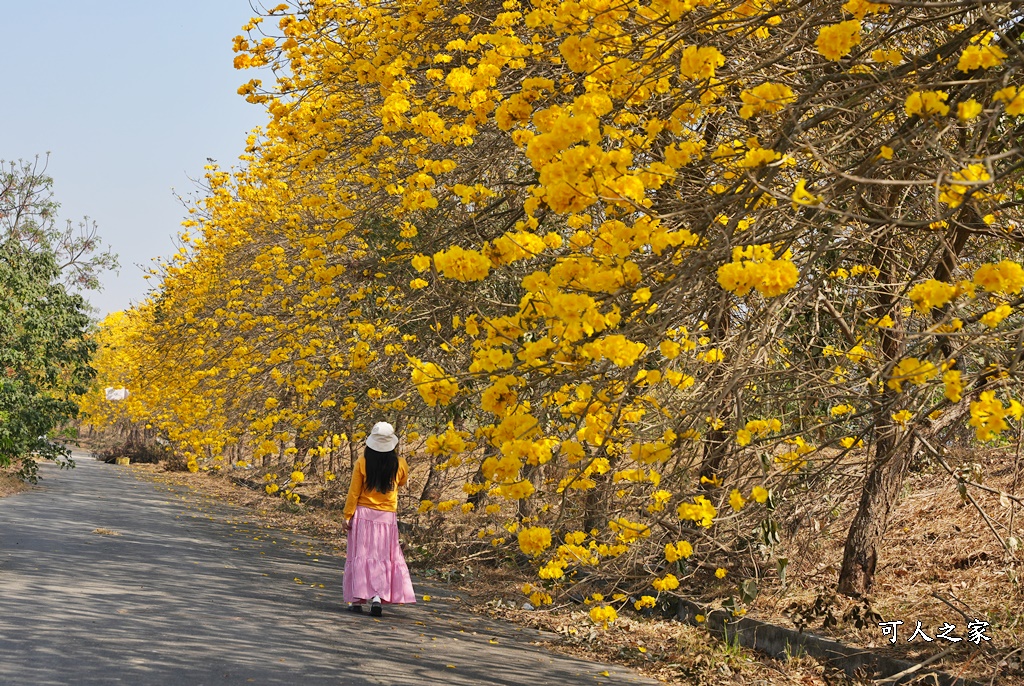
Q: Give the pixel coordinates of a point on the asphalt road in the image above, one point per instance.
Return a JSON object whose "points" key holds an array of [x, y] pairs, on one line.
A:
{"points": [[109, 578]]}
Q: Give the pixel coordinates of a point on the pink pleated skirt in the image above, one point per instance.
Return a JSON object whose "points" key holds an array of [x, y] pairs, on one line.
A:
{"points": [[374, 564]]}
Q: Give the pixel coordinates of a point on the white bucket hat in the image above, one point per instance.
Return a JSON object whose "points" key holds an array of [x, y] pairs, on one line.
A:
{"points": [[382, 437]]}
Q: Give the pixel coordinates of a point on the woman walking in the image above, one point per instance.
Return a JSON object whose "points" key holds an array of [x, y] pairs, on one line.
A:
{"points": [[375, 569]]}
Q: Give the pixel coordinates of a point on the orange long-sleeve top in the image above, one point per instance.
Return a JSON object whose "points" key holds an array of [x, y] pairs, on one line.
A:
{"points": [[360, 495]]}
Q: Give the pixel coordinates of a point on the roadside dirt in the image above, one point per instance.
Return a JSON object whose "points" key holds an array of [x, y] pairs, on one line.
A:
{"points": [[10, 484]]}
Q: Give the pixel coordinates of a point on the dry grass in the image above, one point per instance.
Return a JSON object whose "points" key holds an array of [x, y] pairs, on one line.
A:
{"points": [[940, 563], [10, 484], [669, 651]]}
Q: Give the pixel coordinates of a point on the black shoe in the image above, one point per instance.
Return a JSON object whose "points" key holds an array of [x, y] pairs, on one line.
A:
{"points": [[376, 610], [353, 607]]}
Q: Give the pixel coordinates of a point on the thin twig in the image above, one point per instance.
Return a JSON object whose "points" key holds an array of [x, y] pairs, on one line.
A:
{"points": [[910, 670], [952, 607]]}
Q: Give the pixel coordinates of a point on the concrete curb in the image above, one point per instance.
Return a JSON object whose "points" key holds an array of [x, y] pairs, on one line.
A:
{"points": [[782, 643]]}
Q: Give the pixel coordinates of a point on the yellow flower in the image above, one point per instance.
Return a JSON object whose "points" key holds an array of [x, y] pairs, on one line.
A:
{"points": [[835, 41], [714, 480], [859, 8], [645, 601], [759, 494], [460, 80], [417, 284], [1005, 277], [668, 583], [972, 176], [621, 351], [720, 573], [534, 540], [885, 322], [700, 511], [714, 355], [802, 196], [987, 416], [912, 370], [758, 157], [953, 386], [736, 500], [420, 263], [992, 318], [434, 385], [887, 56], [297, 477], [680, 550], [603, 615], [754, 266], [462, 265], [552, 570], [540, 598], [272, 489], [580, 54], [699, 63], [766, 97], [885, 152], [926, 103], [670, 349], [1014, 100], [968, 109], [903, 417], [930, 294], [980, 57]]}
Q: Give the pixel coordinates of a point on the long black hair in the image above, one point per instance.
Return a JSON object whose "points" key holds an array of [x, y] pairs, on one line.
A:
{"points": [[381, 470]]}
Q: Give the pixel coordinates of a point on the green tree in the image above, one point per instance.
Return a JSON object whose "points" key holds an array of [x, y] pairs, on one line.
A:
{"points": [[44, 357], [45, 349]]}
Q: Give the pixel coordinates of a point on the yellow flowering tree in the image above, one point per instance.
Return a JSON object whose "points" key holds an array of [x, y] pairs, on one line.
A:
{"points": [[616, 272]]}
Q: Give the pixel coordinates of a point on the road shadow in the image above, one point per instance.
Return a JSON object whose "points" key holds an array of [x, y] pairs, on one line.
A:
{"points": [[107, 578]]}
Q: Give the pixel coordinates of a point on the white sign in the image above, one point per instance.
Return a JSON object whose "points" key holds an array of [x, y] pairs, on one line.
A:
{"points": [[116, 393]]}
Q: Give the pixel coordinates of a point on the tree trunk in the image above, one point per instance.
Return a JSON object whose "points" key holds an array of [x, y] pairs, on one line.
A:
{"points": [[527, 507], [889, 466], [715, 444], [886, 478], [432, 488], [860, 556], [595, 515]]}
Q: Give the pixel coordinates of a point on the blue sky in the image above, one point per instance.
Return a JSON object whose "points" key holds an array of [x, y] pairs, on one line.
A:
{"points": [[129, 99]]}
